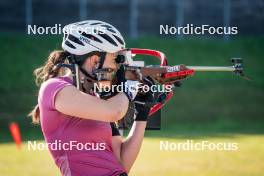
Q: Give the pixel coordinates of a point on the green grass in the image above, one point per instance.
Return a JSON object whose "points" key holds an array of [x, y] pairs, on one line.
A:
{"points": [[209, 106], [246, 161], [25, 162], [204, 98]]}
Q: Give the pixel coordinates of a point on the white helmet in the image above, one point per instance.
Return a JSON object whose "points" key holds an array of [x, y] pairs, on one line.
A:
{"points": [[92, 35]]}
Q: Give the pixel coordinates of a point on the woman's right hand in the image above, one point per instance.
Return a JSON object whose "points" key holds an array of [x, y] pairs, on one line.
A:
{"points": [[144, 101], [129, 87]]}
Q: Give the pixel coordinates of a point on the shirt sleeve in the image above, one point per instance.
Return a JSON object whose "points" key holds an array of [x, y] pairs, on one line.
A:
{"points": [[49, 90], [115, 131]]}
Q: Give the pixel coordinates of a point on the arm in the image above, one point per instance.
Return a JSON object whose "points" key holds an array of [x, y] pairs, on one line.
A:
{"points": [[127, 151], [73, 102]]}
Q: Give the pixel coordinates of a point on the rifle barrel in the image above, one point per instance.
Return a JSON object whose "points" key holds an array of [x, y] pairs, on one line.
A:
{"points": [[212, 68]]}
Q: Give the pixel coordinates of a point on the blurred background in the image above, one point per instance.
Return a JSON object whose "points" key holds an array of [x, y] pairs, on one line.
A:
{"points": [[218, 107]]}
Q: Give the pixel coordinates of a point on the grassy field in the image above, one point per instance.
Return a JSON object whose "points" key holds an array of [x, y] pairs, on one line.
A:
{"points": [[222, 99], [209, 106], [246, 161]]}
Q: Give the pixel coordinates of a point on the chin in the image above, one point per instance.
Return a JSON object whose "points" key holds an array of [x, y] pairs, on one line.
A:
{"points": [[105, 83]]}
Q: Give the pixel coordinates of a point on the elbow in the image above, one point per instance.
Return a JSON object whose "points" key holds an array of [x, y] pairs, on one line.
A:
{"points": [[116, 110], [116, 115]]}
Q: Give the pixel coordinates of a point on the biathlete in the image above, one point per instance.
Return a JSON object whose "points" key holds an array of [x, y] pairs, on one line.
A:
{"points": [[80, 121]]}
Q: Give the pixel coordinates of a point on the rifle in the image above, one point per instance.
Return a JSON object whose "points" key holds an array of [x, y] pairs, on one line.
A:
{"points": [[168, 75], [163, 73]]}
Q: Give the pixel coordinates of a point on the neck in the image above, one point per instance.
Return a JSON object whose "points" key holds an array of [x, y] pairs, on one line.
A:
{"points": [[69, 74]]}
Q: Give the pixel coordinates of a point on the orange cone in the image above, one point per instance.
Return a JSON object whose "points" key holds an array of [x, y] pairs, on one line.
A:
{"points": [[14, 129]]}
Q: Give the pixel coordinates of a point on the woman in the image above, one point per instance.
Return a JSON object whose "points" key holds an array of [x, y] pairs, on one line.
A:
{"points": [[71, 115]]}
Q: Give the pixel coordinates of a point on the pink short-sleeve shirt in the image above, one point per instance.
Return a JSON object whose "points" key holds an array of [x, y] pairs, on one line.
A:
{"points": [[79, 147]]}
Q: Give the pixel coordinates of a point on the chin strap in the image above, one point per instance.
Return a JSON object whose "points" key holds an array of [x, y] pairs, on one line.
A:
{"points": [[79, 60], [75, 66], [91, 78], [102, 59]]}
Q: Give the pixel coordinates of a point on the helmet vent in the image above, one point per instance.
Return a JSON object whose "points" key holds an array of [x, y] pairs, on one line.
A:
{"points": [[91, 37], [119, 40], [69, 44], [108, 38], [83, 23], [96, 23], [109, 28], [76, 40], [65, 36]]}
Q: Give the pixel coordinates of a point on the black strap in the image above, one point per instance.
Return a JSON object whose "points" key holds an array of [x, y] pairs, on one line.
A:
{"points": [[74, 59], [87, 74], [102, 59], [115, 131], [80, 60]]}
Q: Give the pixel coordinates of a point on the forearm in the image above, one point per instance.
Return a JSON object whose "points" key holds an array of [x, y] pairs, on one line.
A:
{"points": [[132, 144], [73, 102]]}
